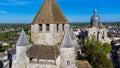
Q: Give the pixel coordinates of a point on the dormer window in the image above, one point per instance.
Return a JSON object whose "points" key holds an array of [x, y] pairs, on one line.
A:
{"points": [[40, 27], [57, 27], [47, 27]]}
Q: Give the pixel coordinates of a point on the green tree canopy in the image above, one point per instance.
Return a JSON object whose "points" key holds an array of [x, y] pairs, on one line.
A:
{"points": [[95, 53]]}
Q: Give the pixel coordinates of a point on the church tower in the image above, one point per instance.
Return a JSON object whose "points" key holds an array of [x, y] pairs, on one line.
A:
{"points": [[67, 52], [97, 29], [49, 24]]}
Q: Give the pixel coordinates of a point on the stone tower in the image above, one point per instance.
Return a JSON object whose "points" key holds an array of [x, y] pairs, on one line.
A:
{"points": [[67, 52], [21, 47], [49, 24]]}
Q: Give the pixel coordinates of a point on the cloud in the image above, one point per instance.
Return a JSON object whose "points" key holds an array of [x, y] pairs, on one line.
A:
{"points": [[3, 12], [21, 2], [16, 2]]}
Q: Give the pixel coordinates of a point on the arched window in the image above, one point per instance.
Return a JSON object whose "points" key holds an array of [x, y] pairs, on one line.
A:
{"points": [[103, 35], [98, 35]]}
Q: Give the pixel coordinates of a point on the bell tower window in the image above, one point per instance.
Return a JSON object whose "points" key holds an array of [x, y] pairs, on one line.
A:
{"points": [[47, 27], [40, 27]]}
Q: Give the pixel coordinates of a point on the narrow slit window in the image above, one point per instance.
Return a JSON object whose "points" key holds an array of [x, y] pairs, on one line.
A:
{"points": [[40, 27], [62, 26], [47, 27], [57, 27], [68, 62]]}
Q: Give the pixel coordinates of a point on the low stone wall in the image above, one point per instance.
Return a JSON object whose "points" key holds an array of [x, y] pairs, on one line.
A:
{"points": [[35, 65]]}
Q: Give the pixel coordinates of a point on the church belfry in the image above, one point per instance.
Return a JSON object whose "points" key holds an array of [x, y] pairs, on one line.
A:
{"points": [[48, 25], [97, 28]]}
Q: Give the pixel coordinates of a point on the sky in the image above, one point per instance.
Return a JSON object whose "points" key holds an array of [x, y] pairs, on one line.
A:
{"points": [[24, 11]]}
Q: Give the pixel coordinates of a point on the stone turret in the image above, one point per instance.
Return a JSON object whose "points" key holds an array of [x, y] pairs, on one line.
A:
{"points": [[49, 24], [21, 47], [67, 52]]}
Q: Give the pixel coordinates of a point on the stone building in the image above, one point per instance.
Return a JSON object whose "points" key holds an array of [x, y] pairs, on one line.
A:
{"points": [[49, 24], [35, 56], [97, 29], [54, 41]]}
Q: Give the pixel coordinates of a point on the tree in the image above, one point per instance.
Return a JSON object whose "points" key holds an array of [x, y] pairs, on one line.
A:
{"points": [[3, 48], [95, 53], [107, 48]]}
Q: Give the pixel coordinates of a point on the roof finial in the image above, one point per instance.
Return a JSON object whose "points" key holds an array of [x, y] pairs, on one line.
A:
{"points": [[95, 11]]}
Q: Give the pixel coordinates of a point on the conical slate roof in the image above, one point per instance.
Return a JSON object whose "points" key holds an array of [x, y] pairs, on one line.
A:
{"points": [[22, 41], [72, 35], [67, 41], [50, 13]]}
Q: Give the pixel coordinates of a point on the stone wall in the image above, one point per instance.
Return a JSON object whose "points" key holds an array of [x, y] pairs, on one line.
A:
{"points": [[100, 34], [67, 57], [35, 65], [92, 31], [44, 37], [103, 35]]}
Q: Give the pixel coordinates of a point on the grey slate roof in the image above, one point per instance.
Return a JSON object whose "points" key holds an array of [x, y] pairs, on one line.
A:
{"points": [[67, 41], [72, 35], [22, 41]]}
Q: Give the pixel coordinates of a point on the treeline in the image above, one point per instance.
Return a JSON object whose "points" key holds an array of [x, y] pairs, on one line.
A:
{"points": [[16, 27], [85, 24]]}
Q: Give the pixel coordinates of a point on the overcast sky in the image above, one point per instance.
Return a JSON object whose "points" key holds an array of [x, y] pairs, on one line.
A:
{"points": [[24, 11]]}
